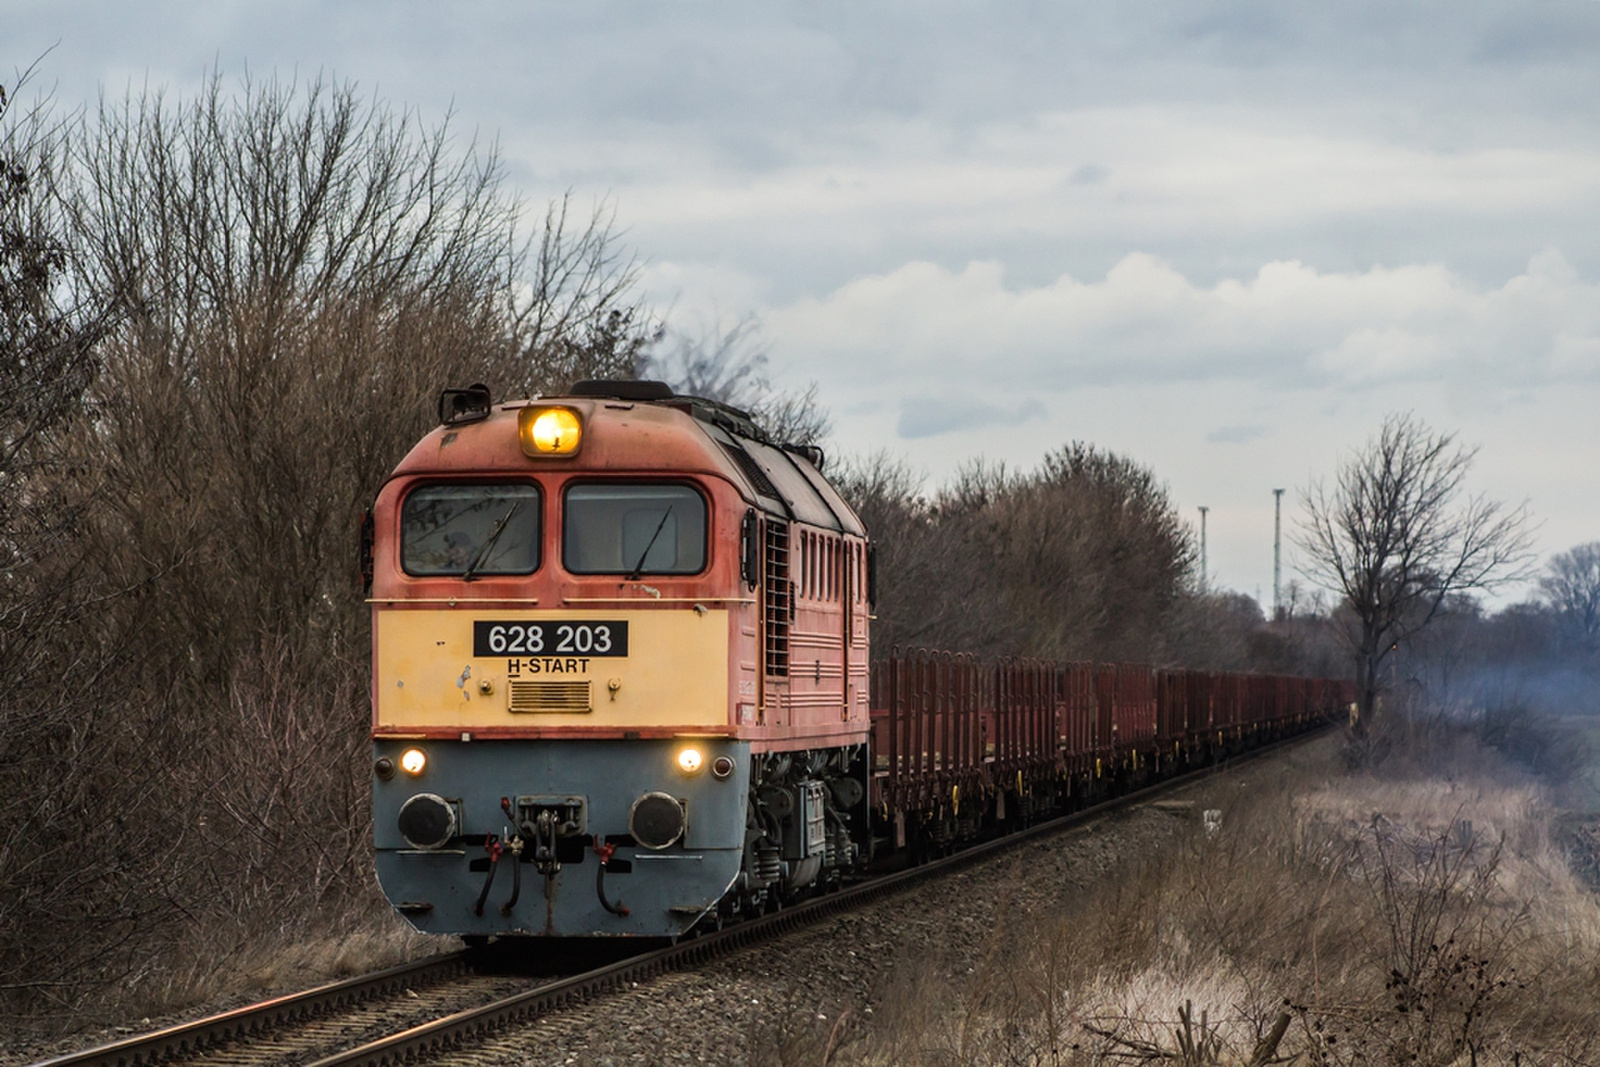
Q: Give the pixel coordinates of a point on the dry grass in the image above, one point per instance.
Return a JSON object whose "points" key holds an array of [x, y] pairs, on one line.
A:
{"points": [[296, 960], [211, 968], [1415, 911]]}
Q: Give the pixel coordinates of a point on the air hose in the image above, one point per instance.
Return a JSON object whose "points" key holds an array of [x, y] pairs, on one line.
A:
{"points": [[491, 845], [605, 853]]}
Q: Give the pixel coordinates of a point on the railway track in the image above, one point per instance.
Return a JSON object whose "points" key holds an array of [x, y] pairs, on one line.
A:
{"points": [[284, 1029], [369, 1021]]}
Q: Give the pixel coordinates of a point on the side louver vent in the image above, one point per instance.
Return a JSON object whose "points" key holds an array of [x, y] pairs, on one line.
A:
{"points": [[552, 697], [777, 602], [752, 470]]}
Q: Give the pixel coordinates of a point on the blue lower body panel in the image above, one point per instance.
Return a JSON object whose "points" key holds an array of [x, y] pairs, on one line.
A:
{"points": [[664, 890]]}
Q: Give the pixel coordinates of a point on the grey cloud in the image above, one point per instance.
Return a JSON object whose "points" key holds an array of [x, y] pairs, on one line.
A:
{"points": [[1288, 327], [1237, 435], [1090, 174], [725, 64], [613, 98], [933, 418], [1538, 36]]}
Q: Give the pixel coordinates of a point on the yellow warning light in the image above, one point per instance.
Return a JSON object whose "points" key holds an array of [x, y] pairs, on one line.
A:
{"points": [[549, 431]]}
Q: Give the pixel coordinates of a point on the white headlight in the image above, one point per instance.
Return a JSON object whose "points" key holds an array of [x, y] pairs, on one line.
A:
{"points": [[414, 761], [690, 761]]}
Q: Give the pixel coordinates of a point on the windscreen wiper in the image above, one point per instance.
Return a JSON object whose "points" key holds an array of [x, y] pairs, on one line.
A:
{"points": [[494, 535], [638, 568]]}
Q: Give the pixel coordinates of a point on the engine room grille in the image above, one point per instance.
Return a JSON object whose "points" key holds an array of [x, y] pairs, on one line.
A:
{"points": [[557, 697], [779, 607]]}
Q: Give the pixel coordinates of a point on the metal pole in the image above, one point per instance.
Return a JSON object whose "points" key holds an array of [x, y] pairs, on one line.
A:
{"points": [[1203, 580], [1277, 553]]}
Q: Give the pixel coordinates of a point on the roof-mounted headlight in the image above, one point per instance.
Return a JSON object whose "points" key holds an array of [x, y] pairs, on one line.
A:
{"points": [[546, 431]]}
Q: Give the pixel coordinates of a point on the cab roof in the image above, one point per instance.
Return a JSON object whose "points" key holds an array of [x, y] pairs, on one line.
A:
{"points": [[641, 427]]}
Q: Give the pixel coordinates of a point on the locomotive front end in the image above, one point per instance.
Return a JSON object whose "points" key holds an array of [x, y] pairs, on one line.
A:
{"points": [[559, 615]]}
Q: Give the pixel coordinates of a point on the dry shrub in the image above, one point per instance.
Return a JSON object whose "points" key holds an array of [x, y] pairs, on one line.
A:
{"points": [[803, 1027], [1348, 919], [312, 954], [1539, 743], [233, 853]]}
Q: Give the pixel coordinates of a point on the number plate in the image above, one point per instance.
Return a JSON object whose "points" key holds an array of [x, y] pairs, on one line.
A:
{"points": [[547, 638]]}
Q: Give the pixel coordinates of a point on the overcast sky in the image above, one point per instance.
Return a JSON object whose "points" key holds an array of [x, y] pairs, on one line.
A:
{"points": [[1222, 239]]}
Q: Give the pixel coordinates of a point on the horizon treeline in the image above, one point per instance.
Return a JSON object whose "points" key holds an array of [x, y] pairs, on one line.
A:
{"points": [[1082, 558]]}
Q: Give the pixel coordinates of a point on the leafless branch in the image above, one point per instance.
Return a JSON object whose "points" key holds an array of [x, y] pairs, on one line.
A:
{"points": [[1396, 538]]}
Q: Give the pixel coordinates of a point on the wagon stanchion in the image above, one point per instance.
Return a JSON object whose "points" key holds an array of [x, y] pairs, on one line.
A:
{"points": [[891, 673]]}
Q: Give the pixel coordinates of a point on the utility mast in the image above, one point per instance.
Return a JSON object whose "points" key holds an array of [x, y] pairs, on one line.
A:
{"points": [[1277, 553], [1203, 580]]}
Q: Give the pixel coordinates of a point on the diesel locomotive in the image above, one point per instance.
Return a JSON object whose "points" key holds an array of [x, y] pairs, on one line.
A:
{"points": [[620, 667], [621, 683]]}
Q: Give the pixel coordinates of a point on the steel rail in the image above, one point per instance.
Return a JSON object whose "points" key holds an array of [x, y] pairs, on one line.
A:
{"points": [[447, 1033], [263, 1017]]}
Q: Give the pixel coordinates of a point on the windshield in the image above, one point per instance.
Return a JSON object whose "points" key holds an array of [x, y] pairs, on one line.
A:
{"points": [[634, 530], [470, 530]]}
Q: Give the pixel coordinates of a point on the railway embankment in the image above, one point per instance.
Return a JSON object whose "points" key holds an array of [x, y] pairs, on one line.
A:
{"points": [[1420, 907]]}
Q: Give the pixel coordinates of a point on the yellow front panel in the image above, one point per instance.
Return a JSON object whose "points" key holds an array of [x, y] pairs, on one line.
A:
{"points": [[432, 672]]}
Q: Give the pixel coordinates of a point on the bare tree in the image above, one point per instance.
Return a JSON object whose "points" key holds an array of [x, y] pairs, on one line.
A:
{"points": [[300, 270], [729, 364], [51, 647], [1397, 536], [912, 568], [1571, 585], [1096, 554], [47, 355], [577, 315], [1084, 558]]}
